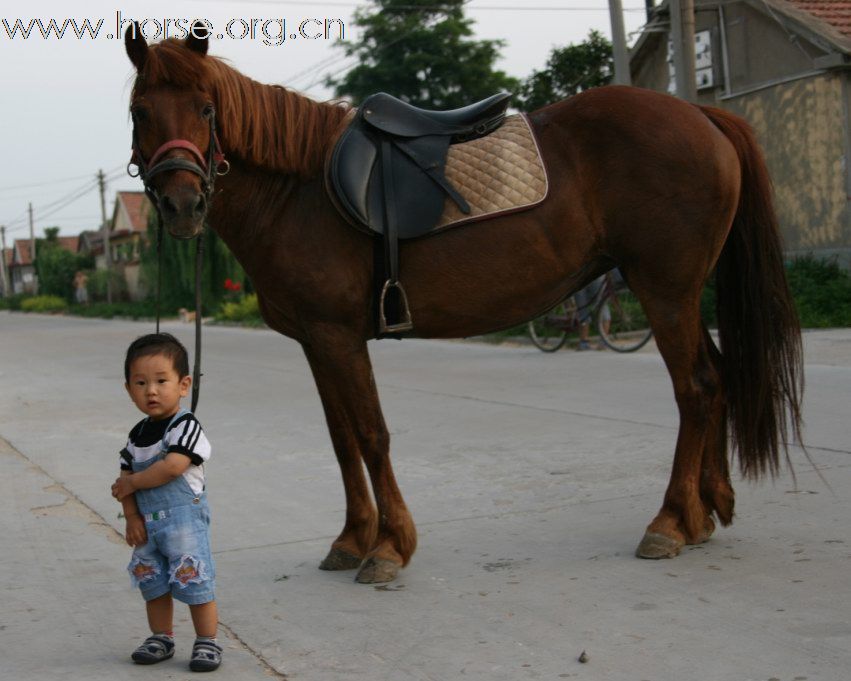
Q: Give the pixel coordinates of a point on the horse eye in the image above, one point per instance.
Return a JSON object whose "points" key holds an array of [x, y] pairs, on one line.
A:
{"points": [[138, 114], [208, 111]]}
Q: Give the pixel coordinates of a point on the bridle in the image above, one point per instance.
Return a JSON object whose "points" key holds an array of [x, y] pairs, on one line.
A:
{"points": [[207, 169]]}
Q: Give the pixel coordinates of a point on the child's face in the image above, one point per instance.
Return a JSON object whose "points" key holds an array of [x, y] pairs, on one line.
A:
{"points": [[155, 386]]}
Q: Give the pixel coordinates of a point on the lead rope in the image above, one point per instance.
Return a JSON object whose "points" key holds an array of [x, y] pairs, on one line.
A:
{"points": [[196, 371], [159, 267], [199, 265]]}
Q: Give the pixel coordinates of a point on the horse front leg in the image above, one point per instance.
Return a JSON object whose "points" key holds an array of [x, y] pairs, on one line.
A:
{"points": [[382, 541]]}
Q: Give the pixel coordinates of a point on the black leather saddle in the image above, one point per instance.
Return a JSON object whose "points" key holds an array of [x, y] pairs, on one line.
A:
{"points": [[387, 173]]}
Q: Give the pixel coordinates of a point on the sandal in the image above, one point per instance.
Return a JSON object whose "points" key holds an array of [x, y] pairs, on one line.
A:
{"points": [[154, 649], [206, 656]]}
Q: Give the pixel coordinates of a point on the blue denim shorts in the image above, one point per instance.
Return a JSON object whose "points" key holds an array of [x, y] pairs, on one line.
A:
{"points": [[177, 557]]}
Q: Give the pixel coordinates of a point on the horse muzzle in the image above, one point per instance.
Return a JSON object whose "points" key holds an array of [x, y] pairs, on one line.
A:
{"points": [[183, 211]]}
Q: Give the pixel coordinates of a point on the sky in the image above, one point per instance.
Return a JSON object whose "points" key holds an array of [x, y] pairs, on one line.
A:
{"points": [[63, 108]]}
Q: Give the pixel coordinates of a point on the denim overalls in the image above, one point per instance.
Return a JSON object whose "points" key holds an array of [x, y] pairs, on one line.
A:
{"points": [[177, 556]]}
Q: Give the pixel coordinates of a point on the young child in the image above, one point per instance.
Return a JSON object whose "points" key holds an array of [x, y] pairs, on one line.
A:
{"points": [[162, 491]]}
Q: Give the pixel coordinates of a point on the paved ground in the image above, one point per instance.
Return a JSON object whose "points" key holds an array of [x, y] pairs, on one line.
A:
{"points": [[531, 478]]}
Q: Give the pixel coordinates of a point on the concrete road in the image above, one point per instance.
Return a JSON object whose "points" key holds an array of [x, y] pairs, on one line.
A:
{"points": [[531, 478]]}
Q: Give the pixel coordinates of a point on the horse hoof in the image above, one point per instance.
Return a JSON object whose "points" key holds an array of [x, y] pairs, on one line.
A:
{"points": [[657, 546], [377, 571], [340, 560]]}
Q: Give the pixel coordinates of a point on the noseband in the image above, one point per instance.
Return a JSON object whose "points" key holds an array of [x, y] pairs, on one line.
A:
{"points": [[205, 168]]}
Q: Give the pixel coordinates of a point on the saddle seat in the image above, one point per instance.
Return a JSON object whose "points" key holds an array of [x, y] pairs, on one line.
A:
{"points": [[393, 116]]}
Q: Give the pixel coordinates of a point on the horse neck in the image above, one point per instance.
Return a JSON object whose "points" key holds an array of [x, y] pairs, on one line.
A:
{"points": [[249, 206], [273, 128]]}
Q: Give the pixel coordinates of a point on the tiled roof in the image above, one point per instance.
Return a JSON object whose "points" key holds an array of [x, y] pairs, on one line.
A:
{"points": [[837, 13], [23, 248], [70, 243], [138, 207]]}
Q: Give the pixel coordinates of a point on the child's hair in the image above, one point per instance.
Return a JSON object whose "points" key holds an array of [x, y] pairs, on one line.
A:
{"points": [[158, 344]]}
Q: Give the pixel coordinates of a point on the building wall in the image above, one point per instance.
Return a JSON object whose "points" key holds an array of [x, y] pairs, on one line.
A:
{"points": [[800, 115], [760, 49], [801, 128]]}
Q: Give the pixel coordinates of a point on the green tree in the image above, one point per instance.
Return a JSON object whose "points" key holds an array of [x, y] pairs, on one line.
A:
{"points": [[421, 52], [569, 70], [178, 270], [56, 267]]}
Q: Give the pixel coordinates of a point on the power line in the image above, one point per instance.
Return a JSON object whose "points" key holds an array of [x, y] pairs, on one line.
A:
{"points": [[356, 59], [47, 210], [513, 8], [44, 184]]}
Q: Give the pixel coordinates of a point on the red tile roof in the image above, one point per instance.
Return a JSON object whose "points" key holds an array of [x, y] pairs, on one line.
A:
{"points": [[70, 243], [138, 208], [837, 13], [23, 248]]}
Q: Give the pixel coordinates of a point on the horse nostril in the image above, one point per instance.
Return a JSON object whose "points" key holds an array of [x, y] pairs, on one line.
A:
{"points": [[167, 205], [201, 205]]}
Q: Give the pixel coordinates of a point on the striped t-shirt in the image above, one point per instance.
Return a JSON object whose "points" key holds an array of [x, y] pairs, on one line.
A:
{"points": [[184, 437]]}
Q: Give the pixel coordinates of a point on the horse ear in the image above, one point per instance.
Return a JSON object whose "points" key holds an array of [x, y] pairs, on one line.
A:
{"points": [[134, 43], [199, 37]]}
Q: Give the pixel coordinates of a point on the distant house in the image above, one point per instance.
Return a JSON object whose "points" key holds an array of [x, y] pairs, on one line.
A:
{"points": [[5, 281], [785, 66], [20, 263], [21, 267], [128, 231]]}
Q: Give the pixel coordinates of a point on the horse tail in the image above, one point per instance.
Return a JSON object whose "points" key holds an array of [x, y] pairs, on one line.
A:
{"points": [[757, 323]]}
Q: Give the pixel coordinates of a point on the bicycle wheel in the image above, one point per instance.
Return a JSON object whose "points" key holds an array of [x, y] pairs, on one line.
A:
{"points": [[548, 332], [627, 329]]}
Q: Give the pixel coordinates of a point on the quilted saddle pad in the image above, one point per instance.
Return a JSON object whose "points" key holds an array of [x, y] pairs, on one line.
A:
{"points": [[500, 173]]}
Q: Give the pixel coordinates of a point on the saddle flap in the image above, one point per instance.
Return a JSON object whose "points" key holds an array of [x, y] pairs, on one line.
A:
{"points": [[352, 165]]}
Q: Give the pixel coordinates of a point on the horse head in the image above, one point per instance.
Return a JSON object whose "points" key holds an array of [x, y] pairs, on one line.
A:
{"points": [[175, 145]]}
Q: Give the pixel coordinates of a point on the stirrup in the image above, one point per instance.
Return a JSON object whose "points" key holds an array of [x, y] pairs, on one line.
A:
{"points": [[406, 324]]}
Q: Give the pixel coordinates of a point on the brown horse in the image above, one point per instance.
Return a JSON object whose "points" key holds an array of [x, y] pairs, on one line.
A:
{"points": [[665, 190]]}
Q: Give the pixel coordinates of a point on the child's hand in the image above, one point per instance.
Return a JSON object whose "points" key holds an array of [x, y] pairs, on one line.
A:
{"points": [[123, 487], [135, 533]]}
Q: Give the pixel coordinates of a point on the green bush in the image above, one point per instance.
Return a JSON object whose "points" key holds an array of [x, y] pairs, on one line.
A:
{"points": [[13, 302], [129, 310], [245, 311], [97, 285], [44, 304], [820, 288], [822, 292]]}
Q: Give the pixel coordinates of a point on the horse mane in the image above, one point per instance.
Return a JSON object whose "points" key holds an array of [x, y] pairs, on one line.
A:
{"points": [[266, 125]]}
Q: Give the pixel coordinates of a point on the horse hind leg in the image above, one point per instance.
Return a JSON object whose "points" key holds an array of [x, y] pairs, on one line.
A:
{"points": [[699, 484], [716, 490]]}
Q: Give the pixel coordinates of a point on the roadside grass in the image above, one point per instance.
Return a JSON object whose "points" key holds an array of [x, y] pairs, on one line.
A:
{"points": [[821, 290]]}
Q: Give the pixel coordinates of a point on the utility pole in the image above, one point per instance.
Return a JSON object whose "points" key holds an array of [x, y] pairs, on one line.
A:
{"points": [[32, 249], [107, 251], [619, 51], [5, 273], [682, 40], [649, 8]]}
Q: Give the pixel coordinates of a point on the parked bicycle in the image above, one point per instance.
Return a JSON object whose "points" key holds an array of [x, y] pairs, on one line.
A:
{"points": [[615, 310]]}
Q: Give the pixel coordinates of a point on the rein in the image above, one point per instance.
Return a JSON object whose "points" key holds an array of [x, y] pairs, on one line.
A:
{"points": [[207, 169]]}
